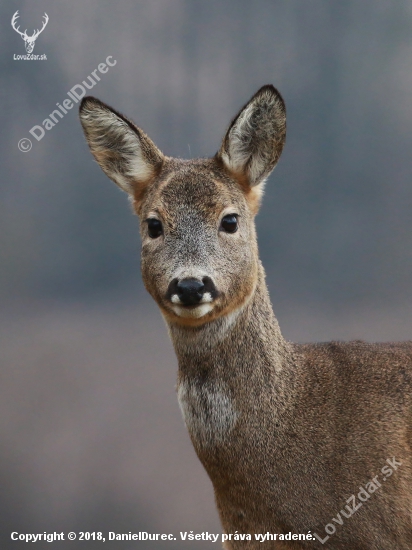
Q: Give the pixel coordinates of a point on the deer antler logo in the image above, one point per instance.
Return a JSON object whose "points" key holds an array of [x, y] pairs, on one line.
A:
{"points": [[29, 41]]}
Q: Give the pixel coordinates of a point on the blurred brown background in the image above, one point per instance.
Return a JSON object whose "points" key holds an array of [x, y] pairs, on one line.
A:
{"points": [[91, 436]]}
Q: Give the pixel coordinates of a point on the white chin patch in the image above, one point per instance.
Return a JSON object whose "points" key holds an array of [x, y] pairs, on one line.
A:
{"points": [[194, 313]]}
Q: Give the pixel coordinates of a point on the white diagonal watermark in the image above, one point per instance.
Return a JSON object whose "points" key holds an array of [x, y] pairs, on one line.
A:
{"points": [[75, 94], [364, 494]]}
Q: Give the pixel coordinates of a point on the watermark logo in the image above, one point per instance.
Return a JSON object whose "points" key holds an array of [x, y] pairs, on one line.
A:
{"points": [[75, 94], [29, 41], [353, 505]]}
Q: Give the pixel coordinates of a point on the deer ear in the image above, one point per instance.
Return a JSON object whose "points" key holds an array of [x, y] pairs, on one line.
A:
{"points": [[255, 139], [123, 151]]}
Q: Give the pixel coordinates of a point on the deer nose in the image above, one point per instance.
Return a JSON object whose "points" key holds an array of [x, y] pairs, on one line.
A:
{"points": [[190, 291]]}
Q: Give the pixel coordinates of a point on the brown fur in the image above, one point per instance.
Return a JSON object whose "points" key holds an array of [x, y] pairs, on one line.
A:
{"points": [[286, 432]]}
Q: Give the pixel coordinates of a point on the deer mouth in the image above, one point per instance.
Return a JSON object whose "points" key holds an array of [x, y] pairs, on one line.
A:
{"points": [[192, 311]]}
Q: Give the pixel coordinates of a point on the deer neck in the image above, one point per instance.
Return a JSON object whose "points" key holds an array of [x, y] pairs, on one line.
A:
{"points": [[235, 378]]}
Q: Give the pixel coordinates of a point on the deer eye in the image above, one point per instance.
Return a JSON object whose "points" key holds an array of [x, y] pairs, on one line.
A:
{"points": [[229, 223], [154, 227]]}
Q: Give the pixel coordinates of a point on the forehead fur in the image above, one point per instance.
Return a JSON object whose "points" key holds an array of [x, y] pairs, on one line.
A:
{"points": [[199, 185]]}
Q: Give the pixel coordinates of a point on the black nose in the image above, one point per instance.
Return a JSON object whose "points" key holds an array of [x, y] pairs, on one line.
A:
{"points": [[190, 291]]}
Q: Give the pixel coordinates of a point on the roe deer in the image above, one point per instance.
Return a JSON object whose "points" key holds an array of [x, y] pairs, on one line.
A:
{"points": [[299, 440]]}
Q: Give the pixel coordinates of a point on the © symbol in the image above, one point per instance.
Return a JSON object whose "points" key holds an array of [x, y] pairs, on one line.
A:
{"points": [[25, 145]]}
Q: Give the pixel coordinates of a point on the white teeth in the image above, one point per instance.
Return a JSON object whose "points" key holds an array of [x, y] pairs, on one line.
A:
{"points": [[194, 313], [175, 299]]}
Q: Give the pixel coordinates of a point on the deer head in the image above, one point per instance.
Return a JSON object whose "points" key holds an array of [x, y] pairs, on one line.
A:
{"points": [[29, 41], [199, 250]]}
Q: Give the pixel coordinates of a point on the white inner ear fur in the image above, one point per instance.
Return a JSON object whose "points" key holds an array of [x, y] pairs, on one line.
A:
{"points": [[254, 141], [239, 147], [109, 134]]}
